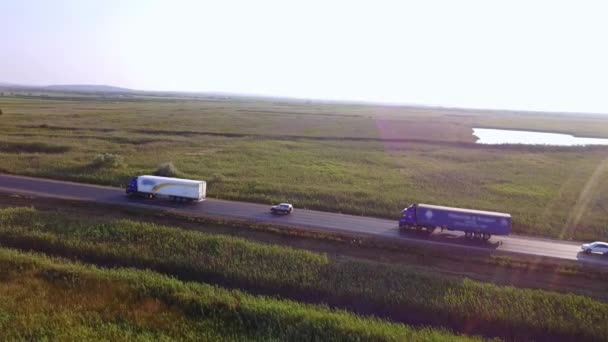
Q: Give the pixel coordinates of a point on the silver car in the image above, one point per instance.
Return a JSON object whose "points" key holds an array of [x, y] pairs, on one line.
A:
{"points": [[283, 208], [595, 247]]}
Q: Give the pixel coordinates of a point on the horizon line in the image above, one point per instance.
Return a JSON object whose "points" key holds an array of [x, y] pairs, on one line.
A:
{"points": [[295, 98]]}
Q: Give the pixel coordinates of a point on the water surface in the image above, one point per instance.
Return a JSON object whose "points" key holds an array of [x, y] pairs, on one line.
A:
{"points": [[504, 136]]}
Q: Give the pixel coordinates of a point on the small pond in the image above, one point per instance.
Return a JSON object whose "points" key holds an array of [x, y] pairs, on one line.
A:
{"points": [[503, 136]]}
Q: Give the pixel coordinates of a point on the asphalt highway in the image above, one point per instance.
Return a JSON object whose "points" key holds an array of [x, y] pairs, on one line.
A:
{"points": [[301, 219]]}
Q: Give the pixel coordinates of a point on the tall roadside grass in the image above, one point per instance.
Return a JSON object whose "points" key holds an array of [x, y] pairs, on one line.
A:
{"points": [[365, 287], [49, 299]]}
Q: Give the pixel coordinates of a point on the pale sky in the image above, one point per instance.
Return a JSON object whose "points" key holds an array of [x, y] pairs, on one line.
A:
{"points": [[536, 55]]}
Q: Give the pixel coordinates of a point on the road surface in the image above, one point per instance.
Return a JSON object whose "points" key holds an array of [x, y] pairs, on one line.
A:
{"points": [[301, 219]]}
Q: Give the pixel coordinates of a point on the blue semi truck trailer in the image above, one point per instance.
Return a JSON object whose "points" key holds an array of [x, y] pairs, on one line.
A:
{"points": [[474, 223]]}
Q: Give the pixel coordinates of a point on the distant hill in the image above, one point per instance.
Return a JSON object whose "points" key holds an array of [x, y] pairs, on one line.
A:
{"points": [[93, 88], [68, 88], [2, 84]]}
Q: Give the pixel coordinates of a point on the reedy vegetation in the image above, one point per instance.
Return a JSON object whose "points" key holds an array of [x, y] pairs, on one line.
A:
{"points": [[392, 291], [50, 299]]}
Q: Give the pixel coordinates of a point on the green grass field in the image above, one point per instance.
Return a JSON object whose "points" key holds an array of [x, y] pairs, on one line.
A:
{"points": [[397, 292], [359, 159]]}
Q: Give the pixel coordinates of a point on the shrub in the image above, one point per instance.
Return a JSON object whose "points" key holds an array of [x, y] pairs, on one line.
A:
{"points": [[168, 170], [217, 178], [109, 160]]}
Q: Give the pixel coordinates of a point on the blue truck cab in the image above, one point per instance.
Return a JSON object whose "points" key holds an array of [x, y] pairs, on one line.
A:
{"points": [[131, 186], [408, 216]]}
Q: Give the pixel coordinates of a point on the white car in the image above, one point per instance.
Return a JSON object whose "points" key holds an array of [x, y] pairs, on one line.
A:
{"points": [[596, 247]]}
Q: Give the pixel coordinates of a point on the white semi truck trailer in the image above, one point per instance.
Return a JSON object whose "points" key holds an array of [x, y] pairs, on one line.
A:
{"points": [[176, 189]]}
